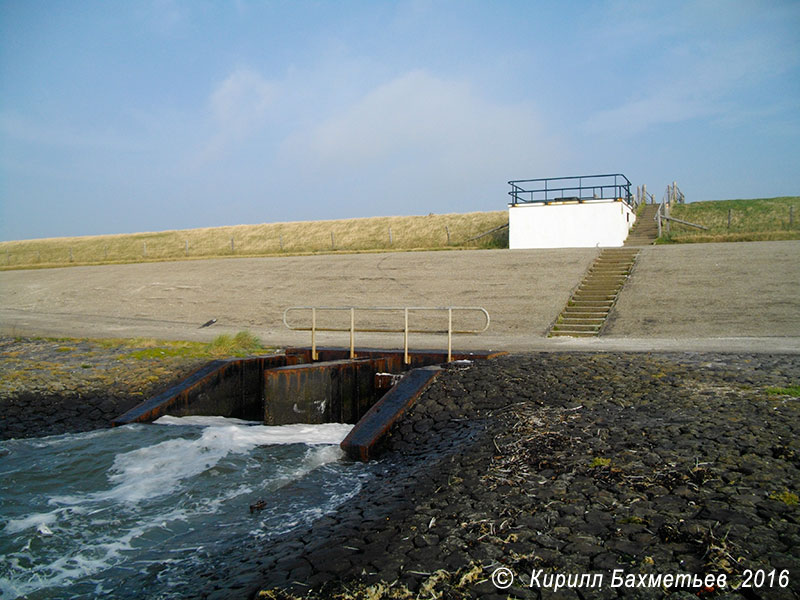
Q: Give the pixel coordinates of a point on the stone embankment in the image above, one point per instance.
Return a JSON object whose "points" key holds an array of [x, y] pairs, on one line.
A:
{"points": [[542, 463], [568, 464], [49, 387]]}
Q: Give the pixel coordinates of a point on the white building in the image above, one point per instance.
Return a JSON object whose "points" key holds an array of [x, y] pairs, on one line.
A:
{"points": [[570, 212]]}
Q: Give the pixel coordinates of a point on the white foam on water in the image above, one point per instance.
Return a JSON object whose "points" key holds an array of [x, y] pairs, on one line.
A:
{"points": [[53, 549], [202, 421]]}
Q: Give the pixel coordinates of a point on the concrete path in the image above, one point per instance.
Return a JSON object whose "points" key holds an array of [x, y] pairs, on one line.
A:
{"points": [[703, 296]]}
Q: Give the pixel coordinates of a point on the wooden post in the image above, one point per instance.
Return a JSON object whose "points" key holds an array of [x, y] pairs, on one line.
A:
{"points": [[333, 242], [105, 252], [791, 216], [233, 248], [144, 249], [391, 240], [71, 257], [280, 240], [447, 230], [186, 248], [658, 215], [729, 219]]}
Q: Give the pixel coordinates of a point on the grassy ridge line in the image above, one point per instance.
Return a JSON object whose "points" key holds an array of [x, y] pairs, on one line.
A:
{"points": [[345, 235], [761, 219]]}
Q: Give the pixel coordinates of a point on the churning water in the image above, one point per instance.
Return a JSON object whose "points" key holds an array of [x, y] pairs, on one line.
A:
{"points": [[100, 513]]}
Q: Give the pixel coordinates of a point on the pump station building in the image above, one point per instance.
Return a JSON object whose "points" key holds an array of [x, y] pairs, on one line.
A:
{"points": [[586, 211]]}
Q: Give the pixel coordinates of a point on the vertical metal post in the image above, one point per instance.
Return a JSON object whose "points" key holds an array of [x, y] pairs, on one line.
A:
{"points": [[449, 334], [352, 332], [405, 337], [314, 334]]}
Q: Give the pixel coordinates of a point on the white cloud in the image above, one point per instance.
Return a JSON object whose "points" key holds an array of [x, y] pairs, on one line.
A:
{"points": [[239, 107], [418, 128]]}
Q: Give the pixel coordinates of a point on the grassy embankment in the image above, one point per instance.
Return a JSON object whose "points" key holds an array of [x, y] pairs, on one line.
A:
{"points": [[761, 219], [432, 232]]}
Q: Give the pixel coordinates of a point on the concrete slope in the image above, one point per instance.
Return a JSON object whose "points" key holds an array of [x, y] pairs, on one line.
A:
{"points": [[684, 292], [523, 290], [711, 290]]}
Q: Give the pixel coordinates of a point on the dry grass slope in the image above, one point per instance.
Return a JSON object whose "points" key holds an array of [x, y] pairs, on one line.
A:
{"points": [[430, 232]]}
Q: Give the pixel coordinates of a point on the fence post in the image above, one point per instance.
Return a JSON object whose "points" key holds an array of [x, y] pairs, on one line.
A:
{"points": [[280, 241], [144, 249], [405, 336], [658, 219], [186, 247], [791, 216], [447, 230], [352, 332], [449, 334], [71, 257], [333, 242], [233, 248], [314, 334], [729, 219], [391, 240], [105, 252]]}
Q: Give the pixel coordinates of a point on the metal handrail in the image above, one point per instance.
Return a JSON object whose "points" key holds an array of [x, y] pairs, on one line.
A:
{"points": [[610, 186], [405, 330]]}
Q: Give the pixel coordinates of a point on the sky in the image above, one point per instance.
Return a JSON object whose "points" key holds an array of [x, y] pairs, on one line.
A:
{"points": [[148, 115]]}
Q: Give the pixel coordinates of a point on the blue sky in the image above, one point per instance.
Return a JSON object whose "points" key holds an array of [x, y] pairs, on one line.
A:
{"points": [[143, 116]]}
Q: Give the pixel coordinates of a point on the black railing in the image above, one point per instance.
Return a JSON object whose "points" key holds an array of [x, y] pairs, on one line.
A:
{"points": [[581, 188]]}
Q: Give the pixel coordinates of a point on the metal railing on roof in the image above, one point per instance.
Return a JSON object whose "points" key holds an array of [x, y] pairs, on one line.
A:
{"points": [[580, 188], [406, 329]]}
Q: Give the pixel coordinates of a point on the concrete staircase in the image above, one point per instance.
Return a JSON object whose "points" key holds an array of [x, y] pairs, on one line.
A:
{"points": [[588, 308], [645, 230]]}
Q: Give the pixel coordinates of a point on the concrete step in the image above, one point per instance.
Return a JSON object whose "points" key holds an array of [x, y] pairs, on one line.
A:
{"points": [[591, 305], [581, 328], [565, 333], [578, 323], [585, 313], [590, 295]]}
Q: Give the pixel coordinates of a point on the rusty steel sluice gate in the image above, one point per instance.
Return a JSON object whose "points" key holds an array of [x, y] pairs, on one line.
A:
{"points": [[369, 388]]}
